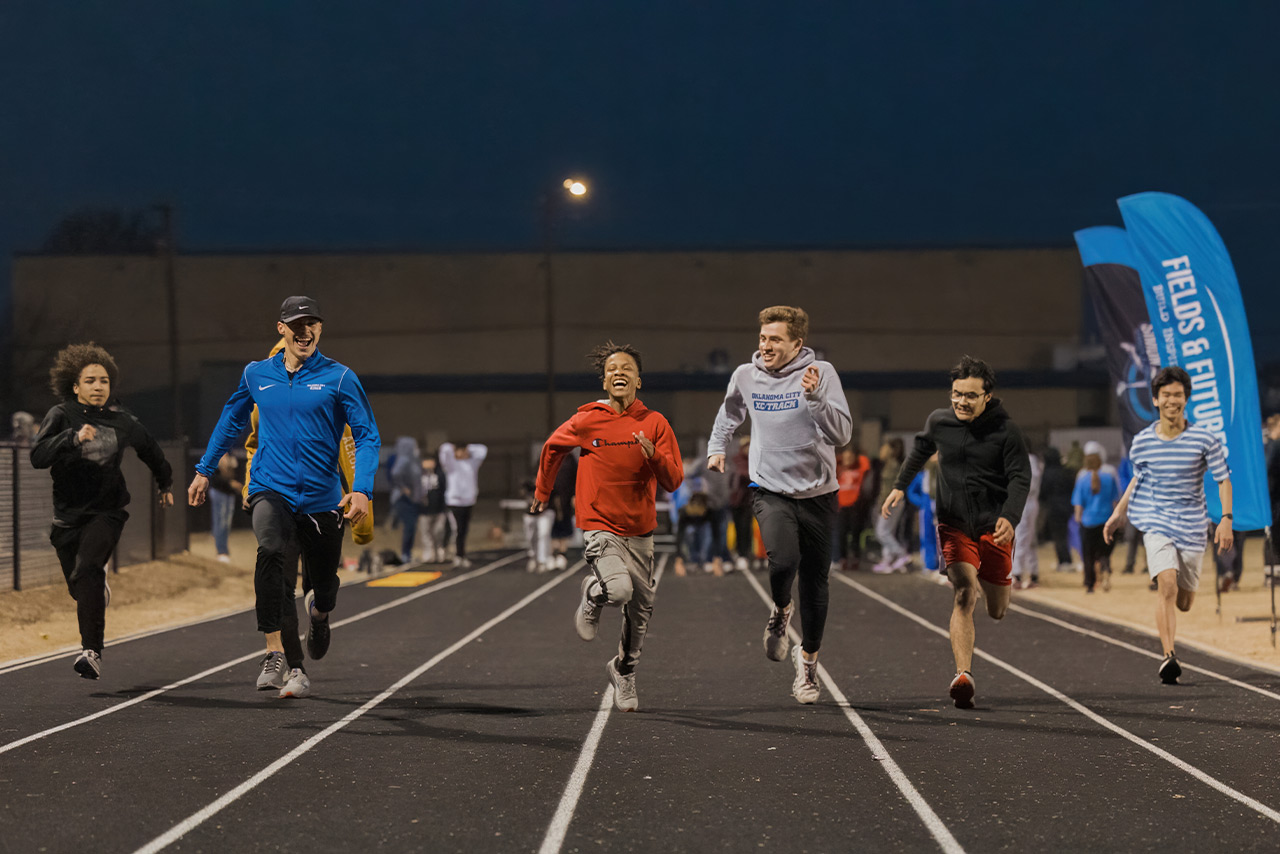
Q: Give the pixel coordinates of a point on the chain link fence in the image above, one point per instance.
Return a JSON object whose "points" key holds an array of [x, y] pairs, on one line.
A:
{"points": [[26, 514]]}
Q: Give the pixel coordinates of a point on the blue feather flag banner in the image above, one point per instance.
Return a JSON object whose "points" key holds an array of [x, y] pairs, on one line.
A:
{"points": [[1113, 291], [1197, 316]]}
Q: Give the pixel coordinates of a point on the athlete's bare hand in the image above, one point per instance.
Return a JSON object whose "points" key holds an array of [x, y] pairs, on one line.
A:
{"points": [[715, 462], [537, 507], [1113, 525], [894, 499], [198, 489], [1224, 537], [646, 447], [809, 382], [166, 498], [86, 434], [1004, 532], [357, 506]]}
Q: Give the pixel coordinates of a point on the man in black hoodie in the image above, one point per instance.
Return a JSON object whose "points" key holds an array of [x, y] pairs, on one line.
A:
{"points": [[984, 477]]}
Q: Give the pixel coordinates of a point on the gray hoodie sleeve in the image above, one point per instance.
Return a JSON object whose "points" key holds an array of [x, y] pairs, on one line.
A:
{"points": [[829, 407], [732, 413]]}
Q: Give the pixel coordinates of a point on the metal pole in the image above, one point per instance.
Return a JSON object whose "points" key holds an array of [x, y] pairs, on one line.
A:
{"points": [[171, 295], [1271, 582], [548, 242], [17, 525]]}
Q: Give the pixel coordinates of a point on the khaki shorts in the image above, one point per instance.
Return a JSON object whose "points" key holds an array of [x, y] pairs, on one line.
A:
{"points": [[1163, 553]]}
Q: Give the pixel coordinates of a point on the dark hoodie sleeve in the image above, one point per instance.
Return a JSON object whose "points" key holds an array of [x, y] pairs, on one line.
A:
{"points": [[54, 440], [922, 448], [1018, 468]]}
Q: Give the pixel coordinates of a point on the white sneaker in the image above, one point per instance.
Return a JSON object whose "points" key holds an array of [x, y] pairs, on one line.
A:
{"points": [[775, 633], [624, 688], [561, 561], [88, 664], [531, 565], [224, 558], [806, 688], [296, 685], [741, 564], [274, 671]]}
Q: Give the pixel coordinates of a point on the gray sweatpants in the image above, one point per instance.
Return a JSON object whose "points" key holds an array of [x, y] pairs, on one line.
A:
{"points": [[623, 567]]}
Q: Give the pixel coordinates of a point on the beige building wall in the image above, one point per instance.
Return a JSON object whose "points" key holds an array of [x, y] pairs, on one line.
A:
{"points": [[484, 314]]}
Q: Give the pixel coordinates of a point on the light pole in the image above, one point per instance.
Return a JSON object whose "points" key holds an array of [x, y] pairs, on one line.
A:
{"points": [[165, 245], [571, 189]]}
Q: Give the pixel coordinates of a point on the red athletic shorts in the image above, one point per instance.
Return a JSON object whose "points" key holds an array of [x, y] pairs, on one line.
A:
{"points": [[994, 563]]}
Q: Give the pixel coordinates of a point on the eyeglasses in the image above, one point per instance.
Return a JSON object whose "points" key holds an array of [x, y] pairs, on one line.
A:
{"points": [[966, 396]]}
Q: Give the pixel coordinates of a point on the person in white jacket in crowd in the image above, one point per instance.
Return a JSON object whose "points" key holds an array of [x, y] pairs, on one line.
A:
{"points": [[461, 464]]}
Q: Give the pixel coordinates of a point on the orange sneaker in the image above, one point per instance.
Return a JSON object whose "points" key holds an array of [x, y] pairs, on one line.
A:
{"points": [[962, 690]]}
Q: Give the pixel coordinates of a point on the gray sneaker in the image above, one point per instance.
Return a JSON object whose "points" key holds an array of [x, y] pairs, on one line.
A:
{"points": [[806, 688], [88, 664], [274, 671], [296, 684], [624, 688], [775, 634], [587, 618]]}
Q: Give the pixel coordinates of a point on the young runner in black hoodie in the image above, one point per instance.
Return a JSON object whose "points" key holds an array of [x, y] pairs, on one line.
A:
{"points": [[81, 441], [983, 480]]}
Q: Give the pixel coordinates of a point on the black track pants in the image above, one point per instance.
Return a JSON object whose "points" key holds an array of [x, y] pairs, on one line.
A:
{"points": [[797, 538]]}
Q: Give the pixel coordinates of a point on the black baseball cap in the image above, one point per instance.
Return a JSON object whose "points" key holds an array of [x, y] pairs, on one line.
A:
{"points": [[297, 307]]}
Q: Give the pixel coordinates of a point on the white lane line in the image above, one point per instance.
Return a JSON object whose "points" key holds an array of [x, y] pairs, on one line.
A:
{"points": [[554, 839], [1140, 651], [14, 745], [937, 829], [44, 657], [1211, 782], [201, 816]]}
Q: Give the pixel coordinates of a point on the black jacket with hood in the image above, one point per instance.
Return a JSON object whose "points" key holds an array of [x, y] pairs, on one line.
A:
{"points": [[983, 471]]}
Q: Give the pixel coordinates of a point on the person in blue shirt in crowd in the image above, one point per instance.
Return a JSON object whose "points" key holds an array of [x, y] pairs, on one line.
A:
{"points": [[304, 400], [1094, 497]]}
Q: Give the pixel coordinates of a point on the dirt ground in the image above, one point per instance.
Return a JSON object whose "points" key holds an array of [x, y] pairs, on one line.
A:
{"points": [[196, 585]]}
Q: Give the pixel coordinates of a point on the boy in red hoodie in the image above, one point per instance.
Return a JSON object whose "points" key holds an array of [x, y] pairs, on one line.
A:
{"points": [[627, 450]]}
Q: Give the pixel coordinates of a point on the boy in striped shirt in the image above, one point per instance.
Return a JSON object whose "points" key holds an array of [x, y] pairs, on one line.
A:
{"points": [[1166, 502]]}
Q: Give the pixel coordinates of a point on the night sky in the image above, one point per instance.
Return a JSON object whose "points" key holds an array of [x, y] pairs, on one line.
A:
{"points": [[436, 125]]}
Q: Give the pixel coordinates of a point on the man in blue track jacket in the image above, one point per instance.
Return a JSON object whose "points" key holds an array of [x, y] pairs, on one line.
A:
{"points": [[304, 399]]}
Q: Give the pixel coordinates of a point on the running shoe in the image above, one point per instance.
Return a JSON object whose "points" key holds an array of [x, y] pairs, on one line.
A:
{"points": [[296, 685], [586, 619], [805, 688], [88, 664], [1170, 670], [317, 631], [741, 564], [274, 671], [624, 688], [963, 689], [775, 634]]}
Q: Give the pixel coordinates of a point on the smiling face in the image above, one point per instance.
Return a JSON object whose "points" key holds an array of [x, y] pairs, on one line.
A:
{"points": [[621, 379], [1171, 401], [301, 337], [777, 347], [93, 386], [969, 398]]}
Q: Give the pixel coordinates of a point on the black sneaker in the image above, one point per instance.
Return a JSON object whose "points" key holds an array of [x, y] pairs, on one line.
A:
{"points": [[1170, 670], [317, 631], [88, 664]]}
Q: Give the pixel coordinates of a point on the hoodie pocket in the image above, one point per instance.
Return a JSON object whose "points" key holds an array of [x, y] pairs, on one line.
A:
{"points": [[798, 469]]}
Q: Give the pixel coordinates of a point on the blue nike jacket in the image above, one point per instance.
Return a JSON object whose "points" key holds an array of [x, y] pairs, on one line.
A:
{"points": [[300, 425]]}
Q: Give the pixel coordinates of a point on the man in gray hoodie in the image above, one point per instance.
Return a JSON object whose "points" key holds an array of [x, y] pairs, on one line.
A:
{"points": [[799, 416]]}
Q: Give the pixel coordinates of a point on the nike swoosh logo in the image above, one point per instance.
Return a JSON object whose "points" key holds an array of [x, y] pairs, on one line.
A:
{"points": [[263, 387]]}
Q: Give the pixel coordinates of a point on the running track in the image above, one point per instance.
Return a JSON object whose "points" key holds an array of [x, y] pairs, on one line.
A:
{"points": [[465, 715]]}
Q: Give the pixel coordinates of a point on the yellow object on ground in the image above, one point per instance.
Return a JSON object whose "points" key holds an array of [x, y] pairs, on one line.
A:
{"points": [[409, 578]]}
